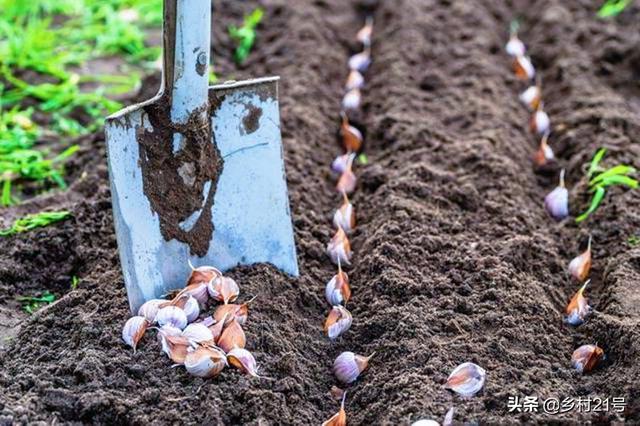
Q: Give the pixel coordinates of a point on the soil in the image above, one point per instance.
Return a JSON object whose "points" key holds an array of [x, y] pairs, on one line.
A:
{"points": [[455, 259]]}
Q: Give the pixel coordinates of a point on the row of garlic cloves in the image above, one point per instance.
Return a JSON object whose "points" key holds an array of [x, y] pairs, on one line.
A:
{"points": [[556, 202]]}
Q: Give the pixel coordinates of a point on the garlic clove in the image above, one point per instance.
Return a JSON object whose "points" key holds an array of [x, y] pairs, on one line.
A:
{"points": [[425, 422], [531, 97], [338, 322], [172, 315], [360, 61], [202, 274], [192, 309], [347, 182], [544, 155], [243, 360], [557, 201], [580, 266], [345, 217], [448, 418], [586, 358], [205, 362], [515, 47], [348, 366], [337, 291], [223, 289], [197, 333], [176, 347], [133, 330], [340, 418], [540, 122], [339, 248], [355, 80], [364, 34], [352, 100], [198, 291], [466, 379], [150, 308], [351, 136], [216, 329], [232, 337], [341, 163], [578, 307], [233, 311], [523, 68]]}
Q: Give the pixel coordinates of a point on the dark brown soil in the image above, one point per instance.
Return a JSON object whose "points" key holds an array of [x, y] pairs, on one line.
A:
{"points": [[455, 259]]}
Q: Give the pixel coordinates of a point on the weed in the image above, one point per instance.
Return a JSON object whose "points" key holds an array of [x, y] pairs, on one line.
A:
{"points": [[601, 179], [613, 7], [33, 221], [30, 304], [245, 36]]}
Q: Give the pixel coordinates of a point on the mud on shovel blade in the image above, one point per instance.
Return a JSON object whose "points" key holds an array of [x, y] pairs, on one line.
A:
{"points": [[197, 172]]}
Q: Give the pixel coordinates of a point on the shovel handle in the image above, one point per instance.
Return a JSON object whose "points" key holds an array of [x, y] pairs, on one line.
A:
{"points": [[187, 38]]}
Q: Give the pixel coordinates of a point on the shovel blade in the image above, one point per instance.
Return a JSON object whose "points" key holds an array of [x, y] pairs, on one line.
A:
{"points": [[250, 212]]}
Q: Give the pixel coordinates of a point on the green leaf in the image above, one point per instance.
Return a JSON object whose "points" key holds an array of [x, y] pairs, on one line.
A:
{"points": [[620, 180], [613, 7], [593, 168], [620, 169], [33, 221], [595, 203], [245, 36]]}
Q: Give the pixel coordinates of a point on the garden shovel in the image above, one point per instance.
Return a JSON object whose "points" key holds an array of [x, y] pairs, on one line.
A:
{"points": [[197, 174]]}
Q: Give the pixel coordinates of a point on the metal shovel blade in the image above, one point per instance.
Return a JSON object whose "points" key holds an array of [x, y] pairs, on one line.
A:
{"points": [[250, 212], [160, 162]]}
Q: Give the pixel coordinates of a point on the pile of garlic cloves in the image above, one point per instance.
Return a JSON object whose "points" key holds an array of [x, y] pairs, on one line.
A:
{"points": [[203, 344], [556, 202]]}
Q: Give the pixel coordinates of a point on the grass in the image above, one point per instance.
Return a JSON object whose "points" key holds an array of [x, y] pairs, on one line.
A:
{"points": [[245, 35], [30, 304], [600, 180], [612, 8], [43, 44], [33, 221]]}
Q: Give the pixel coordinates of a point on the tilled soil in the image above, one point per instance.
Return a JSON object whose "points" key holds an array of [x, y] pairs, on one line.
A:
{"points": [[455, 258]]}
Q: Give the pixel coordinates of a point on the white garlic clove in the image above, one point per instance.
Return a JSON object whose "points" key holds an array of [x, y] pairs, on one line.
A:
{"points": [[351, 136], [515, 47], [557, 201], [540, 122], [243, 360], [578, 308], [360, 61], [448, 418], [339, 248], [233, 311], [338, 322], [202, 274], [531, 97], [341, 163], [133, 330], [340, 418], [544, 154], [580, 266], [197, 333], [364, 34], [223, 289], [150, 308], [466, 379], [176, 347], [523, 68], [191, 309], [345, 217], [352, 100], [172, 315], [205, 362], [198, 291], [425, 422], [337, 290], [355, 80], [348, 366]]}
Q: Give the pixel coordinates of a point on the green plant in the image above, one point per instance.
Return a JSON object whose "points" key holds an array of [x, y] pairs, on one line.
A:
{"points": [[245, 36], [75, 281], [613, 8], [33, 221], [30, 304], [634, 240], [601, 179]]}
